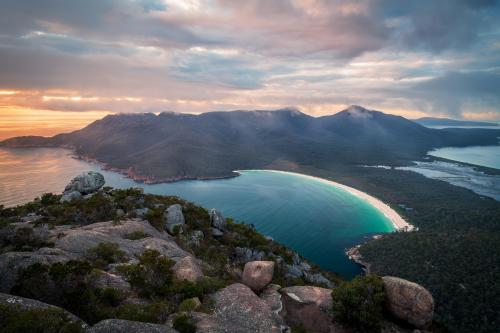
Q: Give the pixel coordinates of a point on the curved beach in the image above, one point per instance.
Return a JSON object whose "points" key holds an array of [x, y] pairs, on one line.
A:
{"points": [[397, 221]]}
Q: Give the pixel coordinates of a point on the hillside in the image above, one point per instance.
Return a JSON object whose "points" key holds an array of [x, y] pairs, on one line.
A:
{"points": [[172, 146], [103, 260]]}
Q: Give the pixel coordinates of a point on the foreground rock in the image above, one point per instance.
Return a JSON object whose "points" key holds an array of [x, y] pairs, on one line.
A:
{"points": [[258, 274], [310, 307], [26, 304], [238, 310], [86, 183], [174, 218], [408, 301], [120, 326], [81, 240], [217, 220], [12, 262], [187, 269]]}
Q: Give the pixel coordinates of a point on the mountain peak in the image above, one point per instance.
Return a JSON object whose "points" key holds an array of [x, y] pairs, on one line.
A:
{"points": [[357, 111]]}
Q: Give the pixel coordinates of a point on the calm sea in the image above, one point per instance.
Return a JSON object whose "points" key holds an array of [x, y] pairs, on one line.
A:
{"points": [[488, 156], [317, 220]]}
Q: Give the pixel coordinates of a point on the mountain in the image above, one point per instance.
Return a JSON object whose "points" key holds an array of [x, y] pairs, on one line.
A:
{"points": [[172, 146], [430, 121]]}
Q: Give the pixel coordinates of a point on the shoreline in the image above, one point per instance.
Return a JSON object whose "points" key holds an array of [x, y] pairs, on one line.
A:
{"points": [[397, 221]]}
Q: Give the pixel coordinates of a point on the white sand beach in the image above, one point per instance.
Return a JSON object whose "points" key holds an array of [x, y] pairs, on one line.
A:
{"points": [[398, 222]]}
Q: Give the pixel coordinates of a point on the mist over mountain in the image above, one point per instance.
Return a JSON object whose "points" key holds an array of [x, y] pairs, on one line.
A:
{"points": [[175, 146], [430, 121]]}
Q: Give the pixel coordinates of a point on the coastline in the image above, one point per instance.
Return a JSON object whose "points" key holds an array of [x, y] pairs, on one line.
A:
{"points": [[397, 221]]}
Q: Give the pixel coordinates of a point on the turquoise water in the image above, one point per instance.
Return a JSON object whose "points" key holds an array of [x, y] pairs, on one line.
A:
{"points": [[488, 156], [317, 220]]}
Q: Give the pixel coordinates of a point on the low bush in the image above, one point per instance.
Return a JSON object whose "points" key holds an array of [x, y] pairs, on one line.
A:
{"points": [[36, 321], [106, 253], [152, 276], [184, 324], [359, 302]]}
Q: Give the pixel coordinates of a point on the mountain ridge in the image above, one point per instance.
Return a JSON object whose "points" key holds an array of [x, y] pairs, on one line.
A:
{"points": [[171, 146]]}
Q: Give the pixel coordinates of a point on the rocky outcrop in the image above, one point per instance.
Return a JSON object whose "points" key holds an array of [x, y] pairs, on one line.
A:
{"points": [[272, 297], [187, 269], [245, 254], [12, 262], [217, 220], [258, 274], [86, 183], [22, 304], [408, 301], [81, 240], [238, 310], [120, 326], [101, 279], [308, 306], [174, 218]]}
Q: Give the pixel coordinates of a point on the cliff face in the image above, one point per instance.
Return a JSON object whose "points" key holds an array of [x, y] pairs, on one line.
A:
{"points": [[113, 260]]}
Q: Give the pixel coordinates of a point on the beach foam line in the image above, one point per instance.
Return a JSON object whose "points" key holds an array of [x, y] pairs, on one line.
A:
{"points": [[397, 221]]}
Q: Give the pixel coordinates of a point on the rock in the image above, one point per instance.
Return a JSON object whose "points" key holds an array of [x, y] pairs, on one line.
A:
{"points": [[22, 304], [294, 272], [309, 307], [245, 254], [272, 297], [217, 220], [141, 212], [12, 262], [70, 196], [305, 266], [173, 217], [119, 326], [408, 301], [187, 269], [238, 310], [31, 218], [103, 280], [80, 240], [86, 183], [318, 278], [258, 274], [196, 237], [217, 233]]}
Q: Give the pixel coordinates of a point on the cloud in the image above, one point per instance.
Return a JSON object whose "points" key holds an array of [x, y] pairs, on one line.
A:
{"points": [[200, 55]]}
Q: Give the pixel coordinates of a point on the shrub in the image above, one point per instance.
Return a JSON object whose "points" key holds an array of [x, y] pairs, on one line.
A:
{"points": [[184, 324], [152, 275], [155, 217], [106, 253], [156, 312], [189, 304], [36, 321], [359, 302], [138, 234]]}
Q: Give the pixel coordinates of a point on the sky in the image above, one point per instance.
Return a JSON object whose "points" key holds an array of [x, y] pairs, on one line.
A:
{"points": [[64, 63]]}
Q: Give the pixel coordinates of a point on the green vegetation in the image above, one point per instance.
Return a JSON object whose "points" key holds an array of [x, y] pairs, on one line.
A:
{"points": [[152, 276], [36, 321], [359, 302], [139, 234], [455, 254], [106, 253], [184, 324]]}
